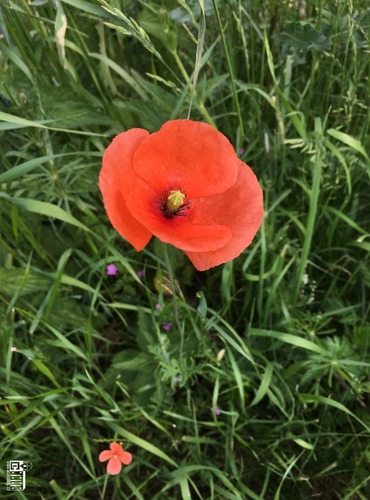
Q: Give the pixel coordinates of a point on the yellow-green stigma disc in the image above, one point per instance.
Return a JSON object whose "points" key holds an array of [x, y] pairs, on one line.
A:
{"points": [[175, 200]]}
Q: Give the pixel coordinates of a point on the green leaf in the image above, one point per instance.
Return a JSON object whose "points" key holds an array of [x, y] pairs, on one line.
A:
{"points": [[60, 31], [313, 398], [23, 169], [121, 72], [349, 141], [22, 282], [288, 339], [14, 57], [88, 7], [265, 384], [46, 209], [150, 448], [13, 122], [347, 220]]}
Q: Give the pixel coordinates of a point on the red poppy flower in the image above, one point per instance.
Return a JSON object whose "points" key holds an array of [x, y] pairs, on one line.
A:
{"points": [[116, 457], [185, 185]]}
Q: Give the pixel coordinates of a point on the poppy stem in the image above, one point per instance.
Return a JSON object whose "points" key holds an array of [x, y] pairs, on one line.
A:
{"points": [[175, 305]]}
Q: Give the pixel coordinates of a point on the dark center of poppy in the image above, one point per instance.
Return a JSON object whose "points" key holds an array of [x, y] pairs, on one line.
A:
{"points": [[173, 204]]}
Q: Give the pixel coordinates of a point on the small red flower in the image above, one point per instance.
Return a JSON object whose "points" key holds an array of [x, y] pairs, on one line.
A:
{"points": [[116, 457], [185, 185]]}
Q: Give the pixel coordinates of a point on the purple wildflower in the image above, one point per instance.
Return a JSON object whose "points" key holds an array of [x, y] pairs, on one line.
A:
{"points": [[216, 410], [111, 269], [166, 326], [140, 273]]}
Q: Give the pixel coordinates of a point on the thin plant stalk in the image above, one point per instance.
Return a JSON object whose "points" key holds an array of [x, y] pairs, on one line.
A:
{"points": [[231, 72], [175, 305]]}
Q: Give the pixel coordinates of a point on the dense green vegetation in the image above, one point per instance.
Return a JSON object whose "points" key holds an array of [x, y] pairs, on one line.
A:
{"points": [[272, 401]]}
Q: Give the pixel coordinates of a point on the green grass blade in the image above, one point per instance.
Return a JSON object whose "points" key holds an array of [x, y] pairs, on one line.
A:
{"points": [[46, 209], [313, 398], [349, 141], [310, 225], [288, 339]]}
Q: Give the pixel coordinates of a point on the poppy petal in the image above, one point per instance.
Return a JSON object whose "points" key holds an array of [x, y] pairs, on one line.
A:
{"points": [[125, 457], [114, 466], [191, 237], [114, 175], [105, 455], [244, 202], [190, 232], [188, 155]]}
